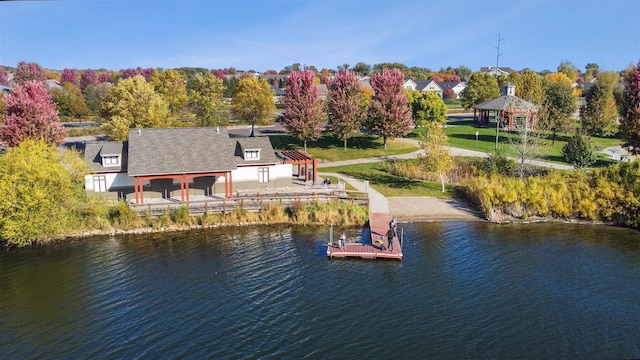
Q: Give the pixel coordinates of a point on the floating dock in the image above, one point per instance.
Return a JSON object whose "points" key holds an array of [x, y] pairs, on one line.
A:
{"points": [[377, 248]]}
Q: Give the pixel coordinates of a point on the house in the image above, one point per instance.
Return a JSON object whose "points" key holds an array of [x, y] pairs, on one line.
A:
{"points": [[455, 86], [423, 86], [182, 163], [496, 71], [279, 93], [322, 91]]}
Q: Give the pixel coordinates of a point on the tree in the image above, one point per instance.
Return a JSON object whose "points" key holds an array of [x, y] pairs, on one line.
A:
{"points": [[362, 69], [630, 122], [427, 107], [70, 101], [254, 102], [4, 76], [69, 76], [591, 71], [481, 88], [302, 109], [556, 113], [463, 72], [578, 151], [528, 86], [567, 68], [436, 157], [93, 96], [171, 86], [132, 103], [29, 71], [346, 107], [41, 192], [389, 113], [30, 114], [599, 115], [87, 78], [206, 94]]}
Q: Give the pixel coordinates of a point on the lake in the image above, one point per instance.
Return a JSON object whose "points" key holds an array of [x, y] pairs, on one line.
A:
{"points": [[463, 290]]}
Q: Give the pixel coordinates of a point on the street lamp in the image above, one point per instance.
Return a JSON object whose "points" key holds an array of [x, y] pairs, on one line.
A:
{"points": [[477, 133]]}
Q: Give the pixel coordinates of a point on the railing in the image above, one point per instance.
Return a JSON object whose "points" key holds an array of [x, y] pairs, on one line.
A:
{"points": [[253, 202]]}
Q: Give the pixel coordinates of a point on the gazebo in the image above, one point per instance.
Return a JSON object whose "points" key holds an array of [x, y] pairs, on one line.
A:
{"points": [[508, 110]]}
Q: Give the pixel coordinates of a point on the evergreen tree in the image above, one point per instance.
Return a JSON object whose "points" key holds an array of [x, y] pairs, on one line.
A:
{"points": [[578, 151]]}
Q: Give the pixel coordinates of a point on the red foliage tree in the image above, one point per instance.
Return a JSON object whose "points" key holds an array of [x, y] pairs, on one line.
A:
{"points": [[104, 77], [389, 112], [30, 114], [630, 122], [449, 94], [219, 74], [88, 77], [302, 109], [271, 72], [4, 76], [346, 105], [69, 76], [29, 71]]}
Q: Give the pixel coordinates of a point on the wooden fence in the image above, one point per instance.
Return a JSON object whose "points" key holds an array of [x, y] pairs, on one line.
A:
{"points": [[249, 202]]}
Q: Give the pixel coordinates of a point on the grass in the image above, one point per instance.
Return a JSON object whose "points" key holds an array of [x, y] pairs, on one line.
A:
{"points": [[390, 185], [329, 148], [462, 134]]}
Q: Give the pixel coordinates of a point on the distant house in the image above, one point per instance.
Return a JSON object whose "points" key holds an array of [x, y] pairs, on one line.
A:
{"points": [[455, 86], [323, 91], [423, 86], [496, 71], [279, 93], [181, 163]]}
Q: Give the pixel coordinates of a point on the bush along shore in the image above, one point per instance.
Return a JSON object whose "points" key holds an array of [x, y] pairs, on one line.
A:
{"points": [[121, 219]]}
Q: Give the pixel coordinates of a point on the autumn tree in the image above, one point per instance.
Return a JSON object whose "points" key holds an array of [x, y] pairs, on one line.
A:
{"points": [[29, 71], [171, 86], [69, 76], [528, 86], [630, 121], [93, 96], [578, 151], [130, 104], [206, 94], [30, 114], [88, 78], [427, 107], [481, 88], [570, 70], [4, 76], [591, 71], [41, 192], [346, 108], [599, 116], [70, 101], [436, 157], [254, 102], [362, 69], [559, 105], [302, 109], [389, 113]]}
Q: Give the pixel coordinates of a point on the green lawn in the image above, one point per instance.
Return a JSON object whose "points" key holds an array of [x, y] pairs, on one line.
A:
{"points": [[329, 148], [462, 134], [390, 185]]}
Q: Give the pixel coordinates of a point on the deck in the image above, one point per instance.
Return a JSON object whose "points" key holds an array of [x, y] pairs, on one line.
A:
{"points": [[378, 226]]}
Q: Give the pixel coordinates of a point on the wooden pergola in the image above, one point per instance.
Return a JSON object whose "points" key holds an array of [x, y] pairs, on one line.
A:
{"points": [[507, 109], [302, 160], [184, 183]]}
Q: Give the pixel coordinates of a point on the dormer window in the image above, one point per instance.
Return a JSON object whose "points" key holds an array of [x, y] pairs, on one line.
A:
{"points": [[110, 160], [253, 154]]}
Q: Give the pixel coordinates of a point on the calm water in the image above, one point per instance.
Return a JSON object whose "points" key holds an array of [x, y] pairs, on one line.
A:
{"points": [[463, 290]]}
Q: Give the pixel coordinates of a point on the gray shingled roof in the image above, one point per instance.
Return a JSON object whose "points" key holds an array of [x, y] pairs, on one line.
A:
{"points": [[506, 102], [267, 154], [93, 152], [180, 151]]}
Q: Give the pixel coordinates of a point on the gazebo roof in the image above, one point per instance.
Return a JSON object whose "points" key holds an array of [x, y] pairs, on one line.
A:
{"points": [[506, 102]]}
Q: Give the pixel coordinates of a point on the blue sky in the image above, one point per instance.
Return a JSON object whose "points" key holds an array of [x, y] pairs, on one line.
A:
{"points": [[271, 34]]}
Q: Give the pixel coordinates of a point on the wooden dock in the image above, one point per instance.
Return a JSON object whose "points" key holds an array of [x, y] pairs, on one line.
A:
{"points": [[378, 227]]}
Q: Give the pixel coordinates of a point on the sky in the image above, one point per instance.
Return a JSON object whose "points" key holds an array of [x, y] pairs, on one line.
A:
{"points": [[265, 35]]}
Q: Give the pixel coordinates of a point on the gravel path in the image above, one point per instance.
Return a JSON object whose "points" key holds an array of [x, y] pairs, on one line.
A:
{"points": [[431, 209]]}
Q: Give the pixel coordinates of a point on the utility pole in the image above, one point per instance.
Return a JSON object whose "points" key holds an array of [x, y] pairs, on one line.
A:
{"points": [[497, 114]]}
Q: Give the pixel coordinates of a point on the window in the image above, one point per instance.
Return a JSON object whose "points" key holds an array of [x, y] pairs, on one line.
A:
{"points": [[99, 183], [263, 175], [252, 154], [110, 160]]}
